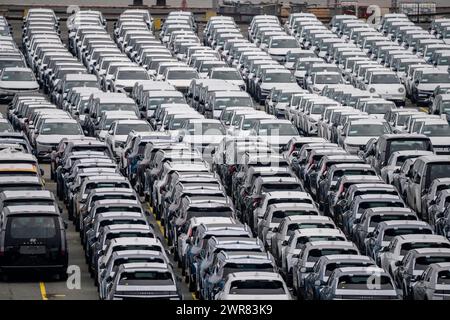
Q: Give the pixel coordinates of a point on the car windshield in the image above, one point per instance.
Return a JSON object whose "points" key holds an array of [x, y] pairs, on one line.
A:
{"points": [[5, 127], [182, 75], [257, 287], [445, 106], [221, 103], [367, 130], [436, 130], [435, 78], [18, 76], [277, 129], [133, 75], [29, 227], [84, 84], [443, 277], [146, 278], [215, 129], [364, 282], [409, 144], [389, 234], [406, 247], [285, 43], [328, 79], [117, 107], [61, 128], [12, 63], [435, 171], [227, 75], [279, 77], [423, 262], [124, 129], [384, 79], [378, 108]]}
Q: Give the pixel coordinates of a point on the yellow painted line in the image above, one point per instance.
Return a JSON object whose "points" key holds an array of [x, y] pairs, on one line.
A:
{"points": [[43, 291], [423, 109], [161, 227], [193, 296]]}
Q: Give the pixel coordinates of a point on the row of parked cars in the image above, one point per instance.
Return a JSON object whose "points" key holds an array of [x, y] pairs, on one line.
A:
{"points": [[248, 206]]}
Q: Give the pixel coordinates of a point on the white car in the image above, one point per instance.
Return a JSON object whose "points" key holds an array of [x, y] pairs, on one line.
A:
{"points": [[119, 130], [254, 286], [276, 132], [400, 246], [356, 134], [13, 80], [387, 85]]}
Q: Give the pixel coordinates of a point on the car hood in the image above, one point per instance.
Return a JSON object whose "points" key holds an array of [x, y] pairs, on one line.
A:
{"points": [[278, 51], [125, 83], [427, 86], [358, 140], [387, 88], [202, 139], [236, 82], [26, 85], [269, 86], [440, 141], [55, 138], [180, 83], [277, 140]]}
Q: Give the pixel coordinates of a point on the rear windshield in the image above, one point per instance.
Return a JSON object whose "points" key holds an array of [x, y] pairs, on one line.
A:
{"points": [[364, 282], [249, 287], [443, 277], [270, 187], [235, 267], [280, 215], [419, 245], [145, 278], [423, 262], [375, 220], [33, 227], [391, 233]]}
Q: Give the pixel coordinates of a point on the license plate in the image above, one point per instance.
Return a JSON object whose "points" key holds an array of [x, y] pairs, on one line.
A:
{"points": [[32, 250]]}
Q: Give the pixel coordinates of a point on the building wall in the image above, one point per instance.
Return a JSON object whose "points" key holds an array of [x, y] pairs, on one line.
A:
{"points": [[172, 3], [205, 3]]}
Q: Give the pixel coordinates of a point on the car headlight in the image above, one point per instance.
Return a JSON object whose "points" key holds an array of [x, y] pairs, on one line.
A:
{"points": [[401, 90], [372, 90]]}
